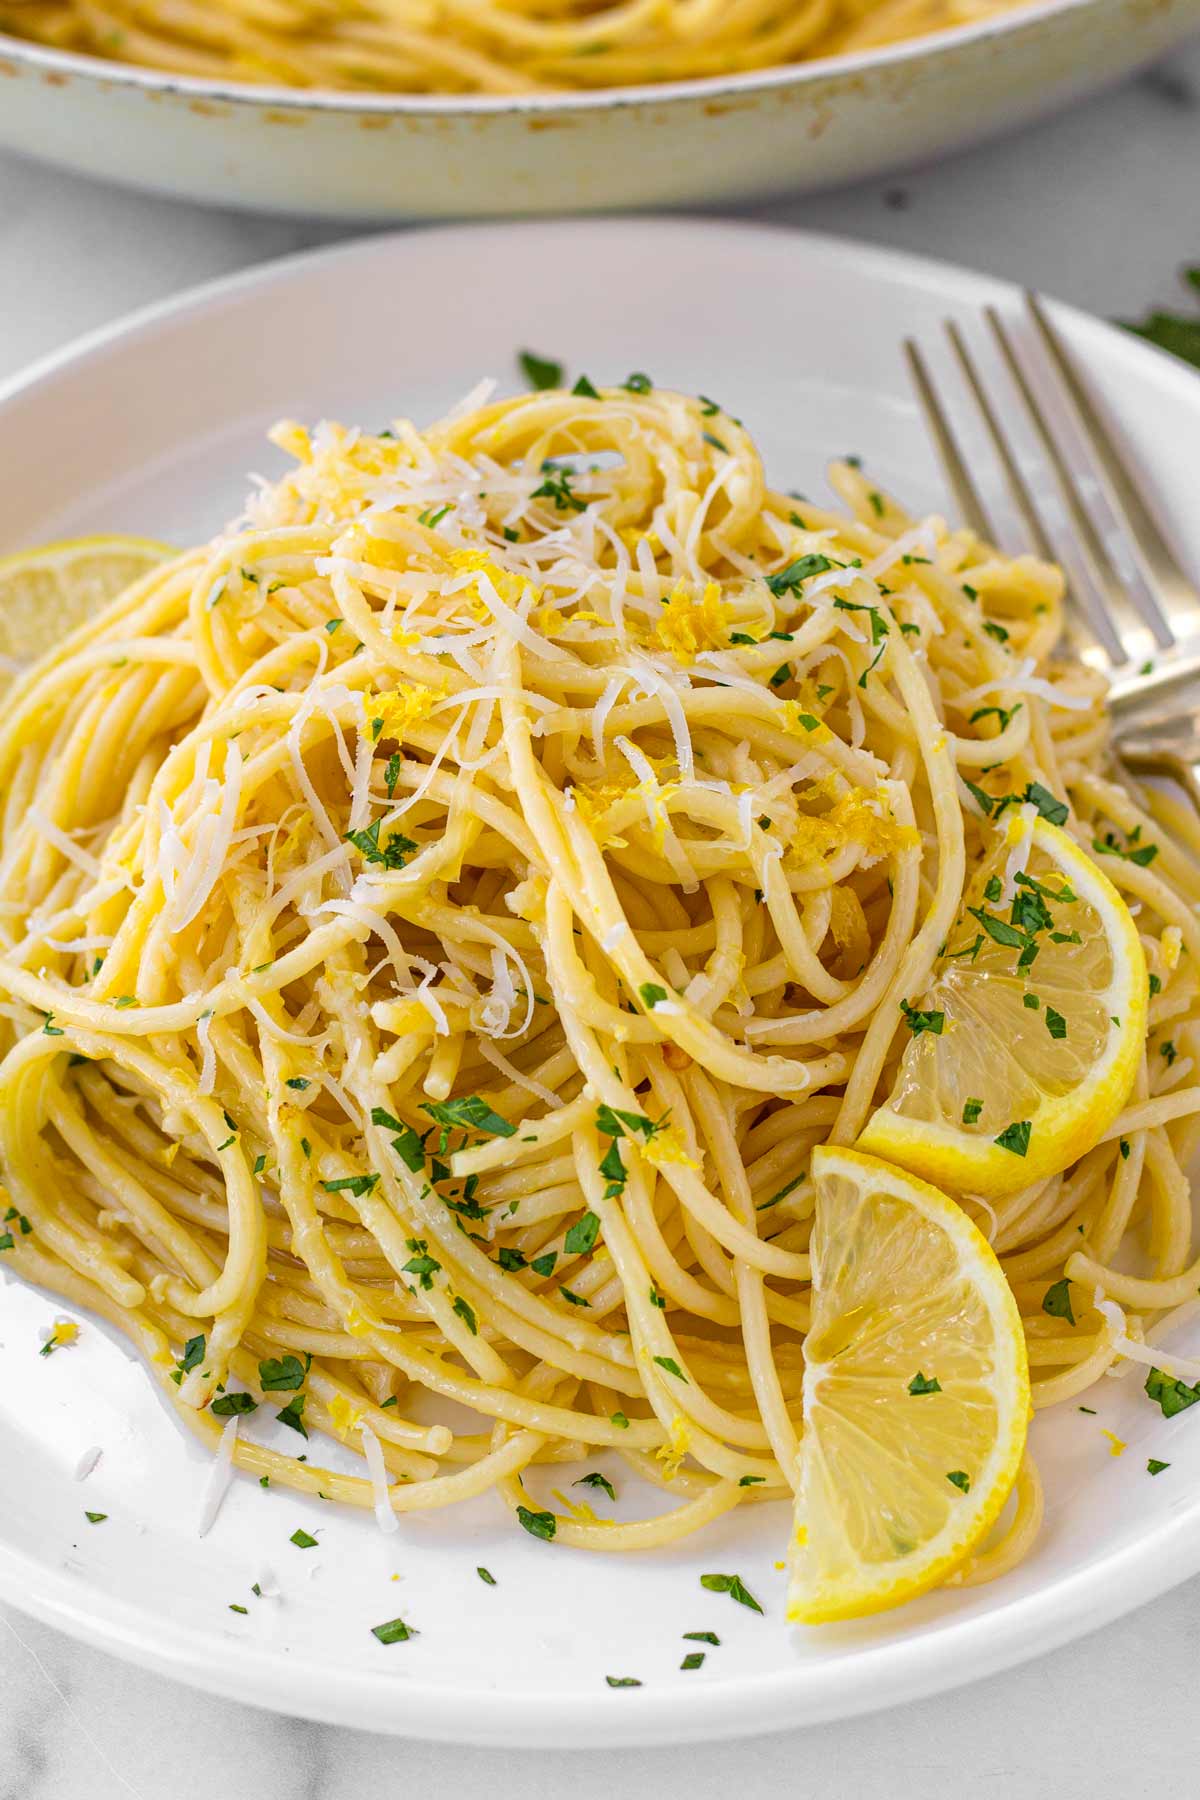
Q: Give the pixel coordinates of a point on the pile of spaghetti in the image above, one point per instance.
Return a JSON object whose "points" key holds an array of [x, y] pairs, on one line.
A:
{"points": [[440, 916], [475, 46]]}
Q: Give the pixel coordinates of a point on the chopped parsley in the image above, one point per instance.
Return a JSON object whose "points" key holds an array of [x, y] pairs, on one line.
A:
{"points": [[1015, 1137], [1056, 1025], [879, 625], [193, 1356], [421, 1264], [279, 1376], [95, 1518], [612, 1121], [734, 1586], [702, 1637], [983, 800], [671, 1366], [918, 1022], [358, 1185], [1154, 1467], [960, 1479], [621, 1681], [613, 1171], [486, 1575], [693, 1660], [1005, 714], [581, 1238], [971, 1111], [652, 995], [1172, 1396], [557, 487], [787, 581], [789, 1187], [1141, 854], [924, 1384], [471, 1113], [999, 930], [466, 1314], [1177, 333], [584, 388], [540, 371], [226, 1405], [292, 1414], [392, 855], [393, 1631], [1055, 812], [637, 383], [596, 1480], [538, 1524], [302, 1540], [1057, 1301]]}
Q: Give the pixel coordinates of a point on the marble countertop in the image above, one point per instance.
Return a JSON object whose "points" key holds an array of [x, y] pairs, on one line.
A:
{"points": [[1101, 206]]}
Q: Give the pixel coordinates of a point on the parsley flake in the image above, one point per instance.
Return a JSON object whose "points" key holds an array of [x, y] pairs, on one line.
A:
{"points": [[538, 1524], [1172, 1396], [540, 371], [1057, 1301], [732, 1585], [1015, 1137]]}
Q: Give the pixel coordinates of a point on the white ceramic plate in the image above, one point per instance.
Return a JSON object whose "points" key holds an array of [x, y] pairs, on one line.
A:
{"points": [[152, 429], [389, 156]]}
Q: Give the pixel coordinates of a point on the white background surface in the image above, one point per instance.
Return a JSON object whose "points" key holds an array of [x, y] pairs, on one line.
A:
{"points": [[1101, 207]]}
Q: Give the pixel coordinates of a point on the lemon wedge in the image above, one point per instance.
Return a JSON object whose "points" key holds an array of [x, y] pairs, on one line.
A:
{"points": [[47, 593], [916, 1393], [1025, 1047]]}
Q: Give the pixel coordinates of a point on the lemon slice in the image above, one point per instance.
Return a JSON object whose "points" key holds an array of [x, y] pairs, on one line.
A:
{"points": [[916, 1392], [45, 594], [1026, 1045]]}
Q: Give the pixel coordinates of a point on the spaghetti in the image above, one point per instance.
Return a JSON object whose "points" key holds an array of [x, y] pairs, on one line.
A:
{"points": [[440, 916], [476, 46]]}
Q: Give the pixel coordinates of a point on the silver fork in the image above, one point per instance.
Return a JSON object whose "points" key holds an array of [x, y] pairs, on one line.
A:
{"points": [[1149, 641]]}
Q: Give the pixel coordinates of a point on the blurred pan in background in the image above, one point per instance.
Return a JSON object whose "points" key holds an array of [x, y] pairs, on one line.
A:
{"points": [[354, 153]]}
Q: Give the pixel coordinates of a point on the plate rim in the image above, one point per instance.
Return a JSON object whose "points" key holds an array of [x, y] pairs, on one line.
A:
{"points": [[951, 1654], [779, 76]]}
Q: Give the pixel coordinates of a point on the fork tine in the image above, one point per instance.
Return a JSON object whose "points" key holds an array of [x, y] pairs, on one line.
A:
{"points": [[958, 478], [1177, 598], [1021, 497], [1134, 633], [1079, 627]]}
